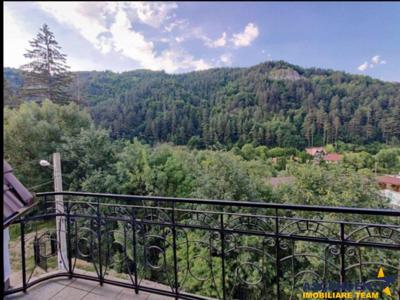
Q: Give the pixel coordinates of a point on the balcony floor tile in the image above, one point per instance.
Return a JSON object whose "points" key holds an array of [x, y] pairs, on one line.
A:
{"points": [[80, 289]]}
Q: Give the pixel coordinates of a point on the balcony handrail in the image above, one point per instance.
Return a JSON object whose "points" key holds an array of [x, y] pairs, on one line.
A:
{"points": [[255, 204], [255, 248]]}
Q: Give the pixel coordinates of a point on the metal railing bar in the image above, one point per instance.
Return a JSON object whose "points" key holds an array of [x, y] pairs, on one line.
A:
{"points": [[339, 209], [236, 214], [259, 233], [268, 217]]}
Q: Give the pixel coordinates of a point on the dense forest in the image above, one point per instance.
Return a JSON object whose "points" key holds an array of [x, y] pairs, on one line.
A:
{"points": [[93, 161], [271, 104]]}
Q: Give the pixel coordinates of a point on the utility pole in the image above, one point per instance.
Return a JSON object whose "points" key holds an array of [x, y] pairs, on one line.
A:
{"points": [[60, 220]]}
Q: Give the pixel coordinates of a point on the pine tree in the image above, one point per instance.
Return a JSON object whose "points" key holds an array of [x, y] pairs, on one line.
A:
{"points": [[46, 75]]}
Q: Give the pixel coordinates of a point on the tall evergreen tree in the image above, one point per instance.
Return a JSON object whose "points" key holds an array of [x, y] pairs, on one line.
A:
{"points": [[46, 75]]}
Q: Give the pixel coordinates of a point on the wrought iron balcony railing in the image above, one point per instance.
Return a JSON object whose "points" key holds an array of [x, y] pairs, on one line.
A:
{"points": [[201, 249]]}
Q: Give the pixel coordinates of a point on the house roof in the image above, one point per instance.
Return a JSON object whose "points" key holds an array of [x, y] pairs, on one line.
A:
{"points": [[387, 179], [332, 157], [16, 198], [312, 151]]}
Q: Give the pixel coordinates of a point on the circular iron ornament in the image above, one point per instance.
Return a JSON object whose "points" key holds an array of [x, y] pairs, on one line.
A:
{"points": [[153, 250], [351, 251], [270, 242], [284, 244], [80, 243], [86, 241], [334, 249]]}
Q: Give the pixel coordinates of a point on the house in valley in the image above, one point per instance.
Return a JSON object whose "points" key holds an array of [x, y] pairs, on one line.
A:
{"points": [[316, 151], [390, 188], [332, 158], [319, 154]]}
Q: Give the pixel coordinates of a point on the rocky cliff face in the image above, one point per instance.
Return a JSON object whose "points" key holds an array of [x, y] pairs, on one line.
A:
{"points": [[284, 74]]}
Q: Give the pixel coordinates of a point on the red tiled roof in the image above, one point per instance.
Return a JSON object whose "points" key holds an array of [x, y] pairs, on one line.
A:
{"points": [[16, 198], [332, 157], [314, 150], [393, 180]]}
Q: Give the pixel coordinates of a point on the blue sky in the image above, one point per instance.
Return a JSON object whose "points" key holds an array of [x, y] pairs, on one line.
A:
{"points": [[360, 38]]}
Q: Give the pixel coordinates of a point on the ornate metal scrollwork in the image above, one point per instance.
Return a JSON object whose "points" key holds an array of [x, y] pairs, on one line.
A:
{"points": [[209, 249]]}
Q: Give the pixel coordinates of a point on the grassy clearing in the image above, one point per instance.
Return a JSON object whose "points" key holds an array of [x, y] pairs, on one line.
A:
{"points": [[15, 229]]}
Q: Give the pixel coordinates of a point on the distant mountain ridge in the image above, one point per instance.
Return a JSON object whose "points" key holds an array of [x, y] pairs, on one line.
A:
{"points": [[273, 103]]}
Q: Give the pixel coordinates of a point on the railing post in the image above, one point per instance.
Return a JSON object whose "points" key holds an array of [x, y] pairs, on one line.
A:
{"points": [[59, 209], [69, 250], [342, 257], [277, 259], [134, 249], [22, 225], [99, 241], [222, 234], [176, 284]]}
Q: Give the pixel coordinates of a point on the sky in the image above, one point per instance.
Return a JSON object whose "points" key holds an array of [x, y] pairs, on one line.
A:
{"points": [[359, 38]]}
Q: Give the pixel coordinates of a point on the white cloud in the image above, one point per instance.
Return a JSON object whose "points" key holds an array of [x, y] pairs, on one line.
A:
{"points": [[363, 67], [220, 42], [179, 24], [179, 60], [15, 40], [151, 13], [200, 65], [130, 43], [226, 59], [375, 61], [74, 14], [164, 40], [246, 37], [110, 29], [179, 39]]}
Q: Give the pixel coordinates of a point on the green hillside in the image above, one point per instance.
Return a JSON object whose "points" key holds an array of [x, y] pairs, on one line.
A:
{"points": [[272, 104]]}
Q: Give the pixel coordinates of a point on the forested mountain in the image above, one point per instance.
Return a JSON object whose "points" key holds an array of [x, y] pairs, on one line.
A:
{"points": [[273, 104]]}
